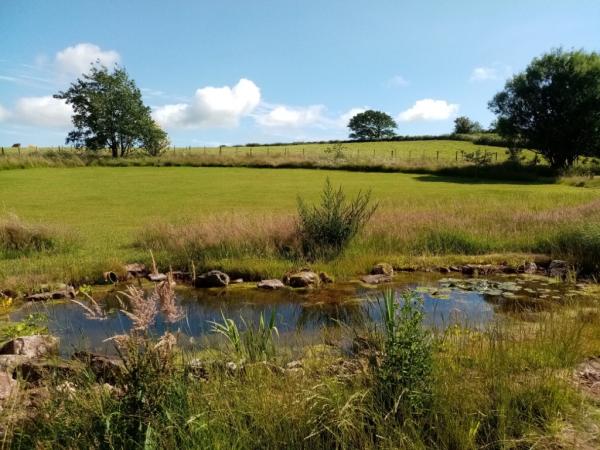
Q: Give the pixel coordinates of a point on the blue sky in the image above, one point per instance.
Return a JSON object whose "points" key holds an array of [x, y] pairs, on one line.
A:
{"points": [[225, 72]]}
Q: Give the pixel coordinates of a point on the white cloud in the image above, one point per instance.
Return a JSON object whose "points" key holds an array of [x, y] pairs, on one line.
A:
{"points": [[496, 71], [44, 111], [77, 59], [345, 118], [211, 107], [3, 113], [292, 117], [429, 109], [397, 81]]}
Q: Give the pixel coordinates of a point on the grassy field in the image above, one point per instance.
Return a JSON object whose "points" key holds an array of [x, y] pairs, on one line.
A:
{"points": [[426, 152], [113, 215]]}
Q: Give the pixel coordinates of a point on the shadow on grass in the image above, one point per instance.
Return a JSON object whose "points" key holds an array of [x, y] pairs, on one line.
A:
{"points": [[493, 174]]}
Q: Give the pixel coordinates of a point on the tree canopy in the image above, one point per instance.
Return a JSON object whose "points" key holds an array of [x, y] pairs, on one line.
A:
{"points": [[108, 112], [372, 125], [553, 106], [464, 125]]}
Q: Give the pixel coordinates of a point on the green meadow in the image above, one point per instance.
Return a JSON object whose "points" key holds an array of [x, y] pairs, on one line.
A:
{"points": [[108, 216]]}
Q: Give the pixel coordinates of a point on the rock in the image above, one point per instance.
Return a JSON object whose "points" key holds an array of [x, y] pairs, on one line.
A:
{"points": [[236, 281], [558, 268], [325, 278], [382, 269], [31, 346], [303, 279], [529, 267], [157, 277], [107, 369], [135, 270], [67, 292], [270, 284], [376, 279], [8, 385], [454, 269], [214, 278], [8, 363]]}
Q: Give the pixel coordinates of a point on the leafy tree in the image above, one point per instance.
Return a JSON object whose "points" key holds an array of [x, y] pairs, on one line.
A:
{"points": [[553, 106], [109, 112], [371, 125], [464, 125]]}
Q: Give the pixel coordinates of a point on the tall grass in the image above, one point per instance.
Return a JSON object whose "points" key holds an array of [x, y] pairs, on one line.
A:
{"points": [[579, 244], [18, 238]]}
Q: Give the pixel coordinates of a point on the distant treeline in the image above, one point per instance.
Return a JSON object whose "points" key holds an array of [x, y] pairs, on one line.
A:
{"points": [[490, 139]]}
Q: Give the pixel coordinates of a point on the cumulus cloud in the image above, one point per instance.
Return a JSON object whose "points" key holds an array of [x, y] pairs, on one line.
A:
{"points": [[44, 111], [486, 73], [429, 109], [211, 107], [77, 59], [292, 117]]}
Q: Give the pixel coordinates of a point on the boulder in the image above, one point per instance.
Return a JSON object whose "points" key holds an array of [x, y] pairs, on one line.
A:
{"points": [[8, 385], [558, 268], [303, 279], [107, 369], [382, 269], [8, 363], [66, 292], [157, 277], [135, 270], [214, 278], [376, 279], [270, 284], [31, 346]]}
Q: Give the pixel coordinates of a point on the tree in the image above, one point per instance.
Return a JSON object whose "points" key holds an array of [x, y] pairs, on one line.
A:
{"points": [[108, 112], [464, 125], [371, 125], [553, 106]]}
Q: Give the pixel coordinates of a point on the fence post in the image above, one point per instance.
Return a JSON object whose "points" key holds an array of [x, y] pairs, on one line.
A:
{"points": [[2, 151], [496, 156], [437, 157], [392, 154], [456, 156]]}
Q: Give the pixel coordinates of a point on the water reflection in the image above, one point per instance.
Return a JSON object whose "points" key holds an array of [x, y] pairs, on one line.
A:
{"points": [[297, 312]]}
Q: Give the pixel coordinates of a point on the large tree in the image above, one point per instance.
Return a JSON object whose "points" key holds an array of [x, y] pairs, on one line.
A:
{"points": [[464, 125], [553, 106], [108, 112], [371, 125]]}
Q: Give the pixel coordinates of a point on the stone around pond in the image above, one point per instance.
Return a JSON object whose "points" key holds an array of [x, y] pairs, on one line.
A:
{"points": [[214, 278], [376, 279], [270, 284], [31, 346], [382, 269], [302, 279]]}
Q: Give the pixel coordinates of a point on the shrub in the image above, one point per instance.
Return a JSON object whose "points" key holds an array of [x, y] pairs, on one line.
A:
{"points": [[326, 229], [403, 383]]}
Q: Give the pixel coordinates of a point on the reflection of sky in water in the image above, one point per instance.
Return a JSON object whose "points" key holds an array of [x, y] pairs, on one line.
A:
{"points": [[296, 312]]}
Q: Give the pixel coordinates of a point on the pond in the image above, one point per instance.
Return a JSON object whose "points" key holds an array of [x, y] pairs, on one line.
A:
{"points": [[303, 314]]}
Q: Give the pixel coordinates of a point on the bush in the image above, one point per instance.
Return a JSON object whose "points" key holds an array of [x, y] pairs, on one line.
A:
{"points": [[326, 230], [404, 379]]}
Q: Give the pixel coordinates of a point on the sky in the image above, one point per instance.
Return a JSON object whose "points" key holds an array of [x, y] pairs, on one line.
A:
{"points": [[232, 72]]}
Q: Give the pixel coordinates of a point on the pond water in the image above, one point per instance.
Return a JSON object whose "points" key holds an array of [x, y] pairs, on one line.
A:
{"points": [[466, 301]]}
